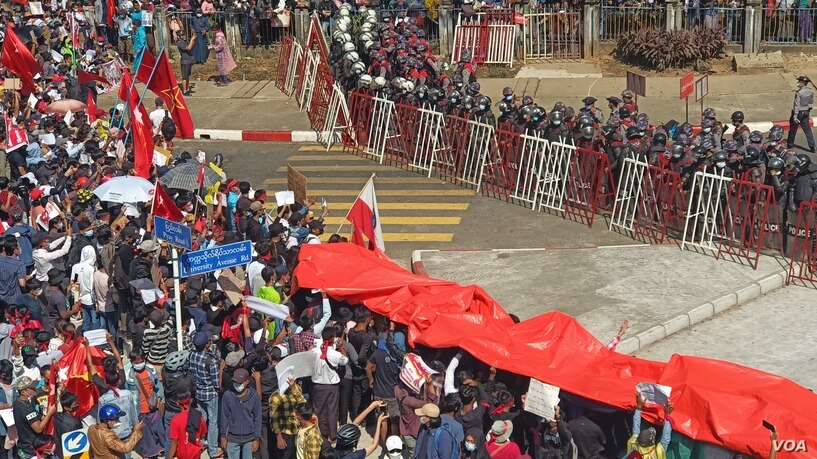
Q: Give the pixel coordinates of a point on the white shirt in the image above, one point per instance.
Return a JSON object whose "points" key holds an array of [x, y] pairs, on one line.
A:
{"points": [[312, 239], [43, 257], [324, 374], [156, 117]]}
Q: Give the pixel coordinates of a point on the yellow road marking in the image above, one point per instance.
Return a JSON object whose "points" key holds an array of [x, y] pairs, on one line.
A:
{"points": [[454, 192], [406, 237], [319, 148], [326, 158], [403, 220], [371, 168], [397, 205], [359, 180]]}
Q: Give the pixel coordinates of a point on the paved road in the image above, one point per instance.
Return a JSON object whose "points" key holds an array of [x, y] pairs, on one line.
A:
{"points": [[417, 212]]}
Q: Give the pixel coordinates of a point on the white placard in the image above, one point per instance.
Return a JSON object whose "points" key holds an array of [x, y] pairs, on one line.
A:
{"points": [[542, 399], [32, 101], [8, 416], [278, 311], [36, 8], [96, 337], [285, 197], [303, 363], [283, 379]]}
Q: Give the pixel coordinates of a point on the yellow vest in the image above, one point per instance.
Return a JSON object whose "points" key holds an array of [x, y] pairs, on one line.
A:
{"points": [[647, 452]]}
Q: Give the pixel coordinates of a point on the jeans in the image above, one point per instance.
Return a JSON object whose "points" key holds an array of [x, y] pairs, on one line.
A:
{"points": [[90, 320], [210, 409], [110, 321], [166, 418], [239, 450]]}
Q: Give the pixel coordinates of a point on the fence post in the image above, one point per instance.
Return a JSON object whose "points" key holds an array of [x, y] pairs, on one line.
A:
{"points": [[754, 25], [446, 27], [163, 39], [301, 19], [232, 33], [673, 16], [590, 25]]}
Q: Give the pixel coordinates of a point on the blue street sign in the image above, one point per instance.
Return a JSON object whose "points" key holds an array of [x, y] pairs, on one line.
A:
{"points": [[220, 257], [174, 233], [75, 442]]}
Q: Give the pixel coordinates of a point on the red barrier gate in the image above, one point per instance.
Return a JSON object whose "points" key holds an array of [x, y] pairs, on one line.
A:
{"points": [[588, 186], [803, 262], [287, 46], [321, 97], [360, 114]]}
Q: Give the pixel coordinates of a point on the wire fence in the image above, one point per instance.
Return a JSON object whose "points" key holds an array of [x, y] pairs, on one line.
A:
{"points": [[731, 19], [618, 20]]}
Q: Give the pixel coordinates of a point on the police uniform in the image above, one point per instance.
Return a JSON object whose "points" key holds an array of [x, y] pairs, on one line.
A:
{"points": [[801, 114]]}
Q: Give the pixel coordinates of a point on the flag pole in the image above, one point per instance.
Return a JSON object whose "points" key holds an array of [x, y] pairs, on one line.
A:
{"points": [[147, 83], [127, 101]]}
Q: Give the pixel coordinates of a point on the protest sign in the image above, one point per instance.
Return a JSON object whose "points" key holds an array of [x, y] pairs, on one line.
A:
{"points": [[303, 363], [415, 371], [542, 399], [654, 393]]}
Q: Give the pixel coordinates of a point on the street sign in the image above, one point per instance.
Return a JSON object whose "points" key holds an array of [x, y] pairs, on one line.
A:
{"points": [[701, 88], [219, 257], [174, 233], [637, 83], [687, 85], [75, 444]]}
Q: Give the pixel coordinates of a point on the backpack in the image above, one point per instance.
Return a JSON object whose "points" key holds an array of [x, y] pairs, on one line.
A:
{"points": [[167, 127], [455, 450]]}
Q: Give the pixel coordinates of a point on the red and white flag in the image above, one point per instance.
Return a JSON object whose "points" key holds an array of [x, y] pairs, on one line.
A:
{"points": [[365, 219]]}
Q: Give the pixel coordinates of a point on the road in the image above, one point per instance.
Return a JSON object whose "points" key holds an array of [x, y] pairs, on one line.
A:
{"points": [[416, 212]]}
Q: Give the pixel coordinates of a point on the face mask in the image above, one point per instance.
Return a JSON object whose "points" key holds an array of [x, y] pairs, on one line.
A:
{"points": [[394, 455], [720, 164], [556, 123], [706, 130], [470, 447], [509, 99], [198, 15], [116, 424], [88, 234], [139, 366], [239, 387]]}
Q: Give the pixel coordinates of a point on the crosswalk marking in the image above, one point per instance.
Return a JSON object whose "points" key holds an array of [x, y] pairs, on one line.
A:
{"points": [[361, 181], [402, 220], [381, 192], [397, 205], [367, 168], [295, 158], [405, 237]]}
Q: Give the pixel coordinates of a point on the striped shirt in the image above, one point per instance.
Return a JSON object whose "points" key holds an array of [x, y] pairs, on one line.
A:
{"points": [[156, 344]]}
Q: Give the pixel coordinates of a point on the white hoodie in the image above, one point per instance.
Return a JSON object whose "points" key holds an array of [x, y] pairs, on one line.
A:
{"points": [[83, 273]]}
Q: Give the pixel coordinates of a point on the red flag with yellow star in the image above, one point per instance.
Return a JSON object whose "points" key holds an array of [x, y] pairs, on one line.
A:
{"points": [[163, 83], [140, 126], [18, 60]]}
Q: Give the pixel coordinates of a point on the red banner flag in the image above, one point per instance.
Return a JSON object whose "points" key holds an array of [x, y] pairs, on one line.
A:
{"points": [[141, 129], [163, 83], [90, 109], [72, 371], [15, 137], [19, 60], [163, 205], [85, 77]]}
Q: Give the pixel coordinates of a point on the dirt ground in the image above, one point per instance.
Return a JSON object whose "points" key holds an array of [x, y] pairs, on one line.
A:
{"points": [[251, 69]]}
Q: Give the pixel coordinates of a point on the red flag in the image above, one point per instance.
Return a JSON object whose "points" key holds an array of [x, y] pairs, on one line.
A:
{"points": [[365, 219], [85, 77], [19, 60], [72, 371], [15, 137], [163, 84], [141, 128], [111, 12], [90, 109], [163, 205], [201, 176]]}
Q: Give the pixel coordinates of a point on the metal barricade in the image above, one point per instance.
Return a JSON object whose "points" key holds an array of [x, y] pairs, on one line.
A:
{"points": [[321, 98], [308, 71], [629, 194], [729, 217], [360, 114], [803, 260], [337, 118], [618, 20], [288, 64], [556, 35], [468, 143], [491, 39], [587, 185], [500, 178], [524, 168], [420, 141], [552, 184], [380, 128]]}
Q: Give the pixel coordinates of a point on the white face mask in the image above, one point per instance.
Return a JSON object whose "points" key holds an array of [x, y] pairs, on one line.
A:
{"points": [[139, 366], [720, 164], [394, 455]]}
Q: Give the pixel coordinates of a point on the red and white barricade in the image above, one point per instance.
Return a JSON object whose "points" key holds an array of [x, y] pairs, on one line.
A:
{"points": [[360, 114], [308, 72], [420, 141], [730, 217], [491, 38], [468, 144], [555, 172], [803, 260], [321, 98], [337, 118], [589, 186]]}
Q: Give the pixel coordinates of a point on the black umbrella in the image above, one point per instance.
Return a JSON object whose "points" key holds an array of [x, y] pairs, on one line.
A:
{"points": [[185, 176], [28, 33]]}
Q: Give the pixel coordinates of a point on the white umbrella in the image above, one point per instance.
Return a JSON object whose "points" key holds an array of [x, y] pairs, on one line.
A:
{"points": [[126, 189]]}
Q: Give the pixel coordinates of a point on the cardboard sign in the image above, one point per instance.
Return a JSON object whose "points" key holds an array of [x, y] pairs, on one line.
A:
{"points": [[296, 182], [13, 83], [542, 399], [637, 83]]}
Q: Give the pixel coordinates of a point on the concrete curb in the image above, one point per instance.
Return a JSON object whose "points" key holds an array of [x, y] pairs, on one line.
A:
{"points": [[669, 327], [312, 136], [705, 311]]}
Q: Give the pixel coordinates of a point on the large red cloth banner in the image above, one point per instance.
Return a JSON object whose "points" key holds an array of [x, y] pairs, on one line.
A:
{"points": [[715, 401]]}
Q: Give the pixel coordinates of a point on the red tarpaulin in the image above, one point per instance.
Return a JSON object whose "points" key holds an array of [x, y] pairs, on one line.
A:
{"points": [[715, 401]]}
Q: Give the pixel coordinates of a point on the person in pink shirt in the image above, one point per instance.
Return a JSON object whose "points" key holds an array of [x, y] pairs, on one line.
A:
{"points": [[499, 442]]}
